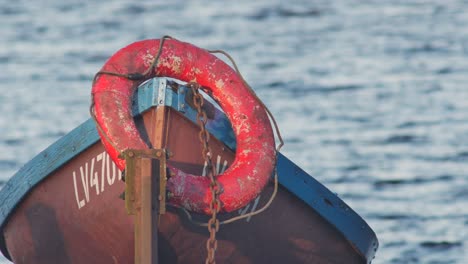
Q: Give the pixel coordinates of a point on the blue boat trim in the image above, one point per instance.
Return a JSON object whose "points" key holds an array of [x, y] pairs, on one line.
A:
{"points": [[329, 206], [157, 92]]}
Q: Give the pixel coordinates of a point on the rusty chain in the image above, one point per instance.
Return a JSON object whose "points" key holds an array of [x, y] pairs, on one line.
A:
{"points": [[215, 204]]}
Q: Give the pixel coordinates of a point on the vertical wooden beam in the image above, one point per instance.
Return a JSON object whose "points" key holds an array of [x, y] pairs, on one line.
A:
{"points": [[143, 180], [146, 213], [143, 189], [158, 137]]}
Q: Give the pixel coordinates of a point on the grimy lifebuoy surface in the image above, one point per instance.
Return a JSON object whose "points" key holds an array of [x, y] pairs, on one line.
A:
{"points": [[255, 155]]}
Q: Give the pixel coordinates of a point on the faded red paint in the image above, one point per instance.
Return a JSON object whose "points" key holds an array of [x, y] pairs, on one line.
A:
{"points": [[255, 156]]}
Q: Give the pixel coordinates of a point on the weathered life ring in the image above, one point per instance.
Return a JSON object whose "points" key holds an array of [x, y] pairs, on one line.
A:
{"points": [[255, 155]]}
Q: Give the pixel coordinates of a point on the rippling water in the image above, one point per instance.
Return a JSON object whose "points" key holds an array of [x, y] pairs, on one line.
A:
{"points": [[371, 96]]}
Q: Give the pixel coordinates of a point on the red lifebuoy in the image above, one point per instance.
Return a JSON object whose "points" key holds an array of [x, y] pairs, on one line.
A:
{"points": [[255, 155]]}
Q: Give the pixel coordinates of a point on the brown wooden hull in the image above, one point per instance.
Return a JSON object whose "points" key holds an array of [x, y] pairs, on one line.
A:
{"points": [[76, 216]]}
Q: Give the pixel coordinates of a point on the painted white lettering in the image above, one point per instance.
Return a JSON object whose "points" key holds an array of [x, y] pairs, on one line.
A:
{"points": [[80, 203], [224, 166], [94, 177], [119, 173], [100, 158], [253, 207], [244, 210], [219, 169], [110, 180], [85, 180], [204, 169], [218, 163]]}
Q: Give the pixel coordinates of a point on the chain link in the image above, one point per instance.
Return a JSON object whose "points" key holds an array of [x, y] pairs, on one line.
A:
{"points": [[215, 204]]}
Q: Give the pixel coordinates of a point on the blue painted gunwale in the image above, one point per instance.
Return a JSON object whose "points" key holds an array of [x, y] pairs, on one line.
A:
{"points": [[153, 93]]}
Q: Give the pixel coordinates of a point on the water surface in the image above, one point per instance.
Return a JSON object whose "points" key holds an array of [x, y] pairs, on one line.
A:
{"points": [[371, 96]]}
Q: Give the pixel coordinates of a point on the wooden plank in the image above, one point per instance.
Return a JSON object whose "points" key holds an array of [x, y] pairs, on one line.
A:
{"points": [[146, 215], [147, 176]]}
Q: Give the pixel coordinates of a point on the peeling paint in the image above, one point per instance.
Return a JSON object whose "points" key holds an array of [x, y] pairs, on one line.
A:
{"points": [[148, 58], [220, 84], [175, 66], [196, 70]]}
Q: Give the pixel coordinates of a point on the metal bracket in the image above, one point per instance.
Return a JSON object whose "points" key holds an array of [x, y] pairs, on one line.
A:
{"points": [[162, 91], [143, 192], [181, 93], [130, 156]]}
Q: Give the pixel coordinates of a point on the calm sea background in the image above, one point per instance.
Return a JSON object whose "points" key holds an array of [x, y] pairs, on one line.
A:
{"points": [[371, 96]]}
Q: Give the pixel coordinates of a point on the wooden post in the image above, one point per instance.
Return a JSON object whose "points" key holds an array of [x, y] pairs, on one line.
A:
{"points": [[145, 169], [146, 213], [145, 190]]}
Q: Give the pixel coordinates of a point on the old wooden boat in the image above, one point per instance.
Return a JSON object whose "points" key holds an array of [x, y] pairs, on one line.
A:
{"points": [[66, 204]]}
